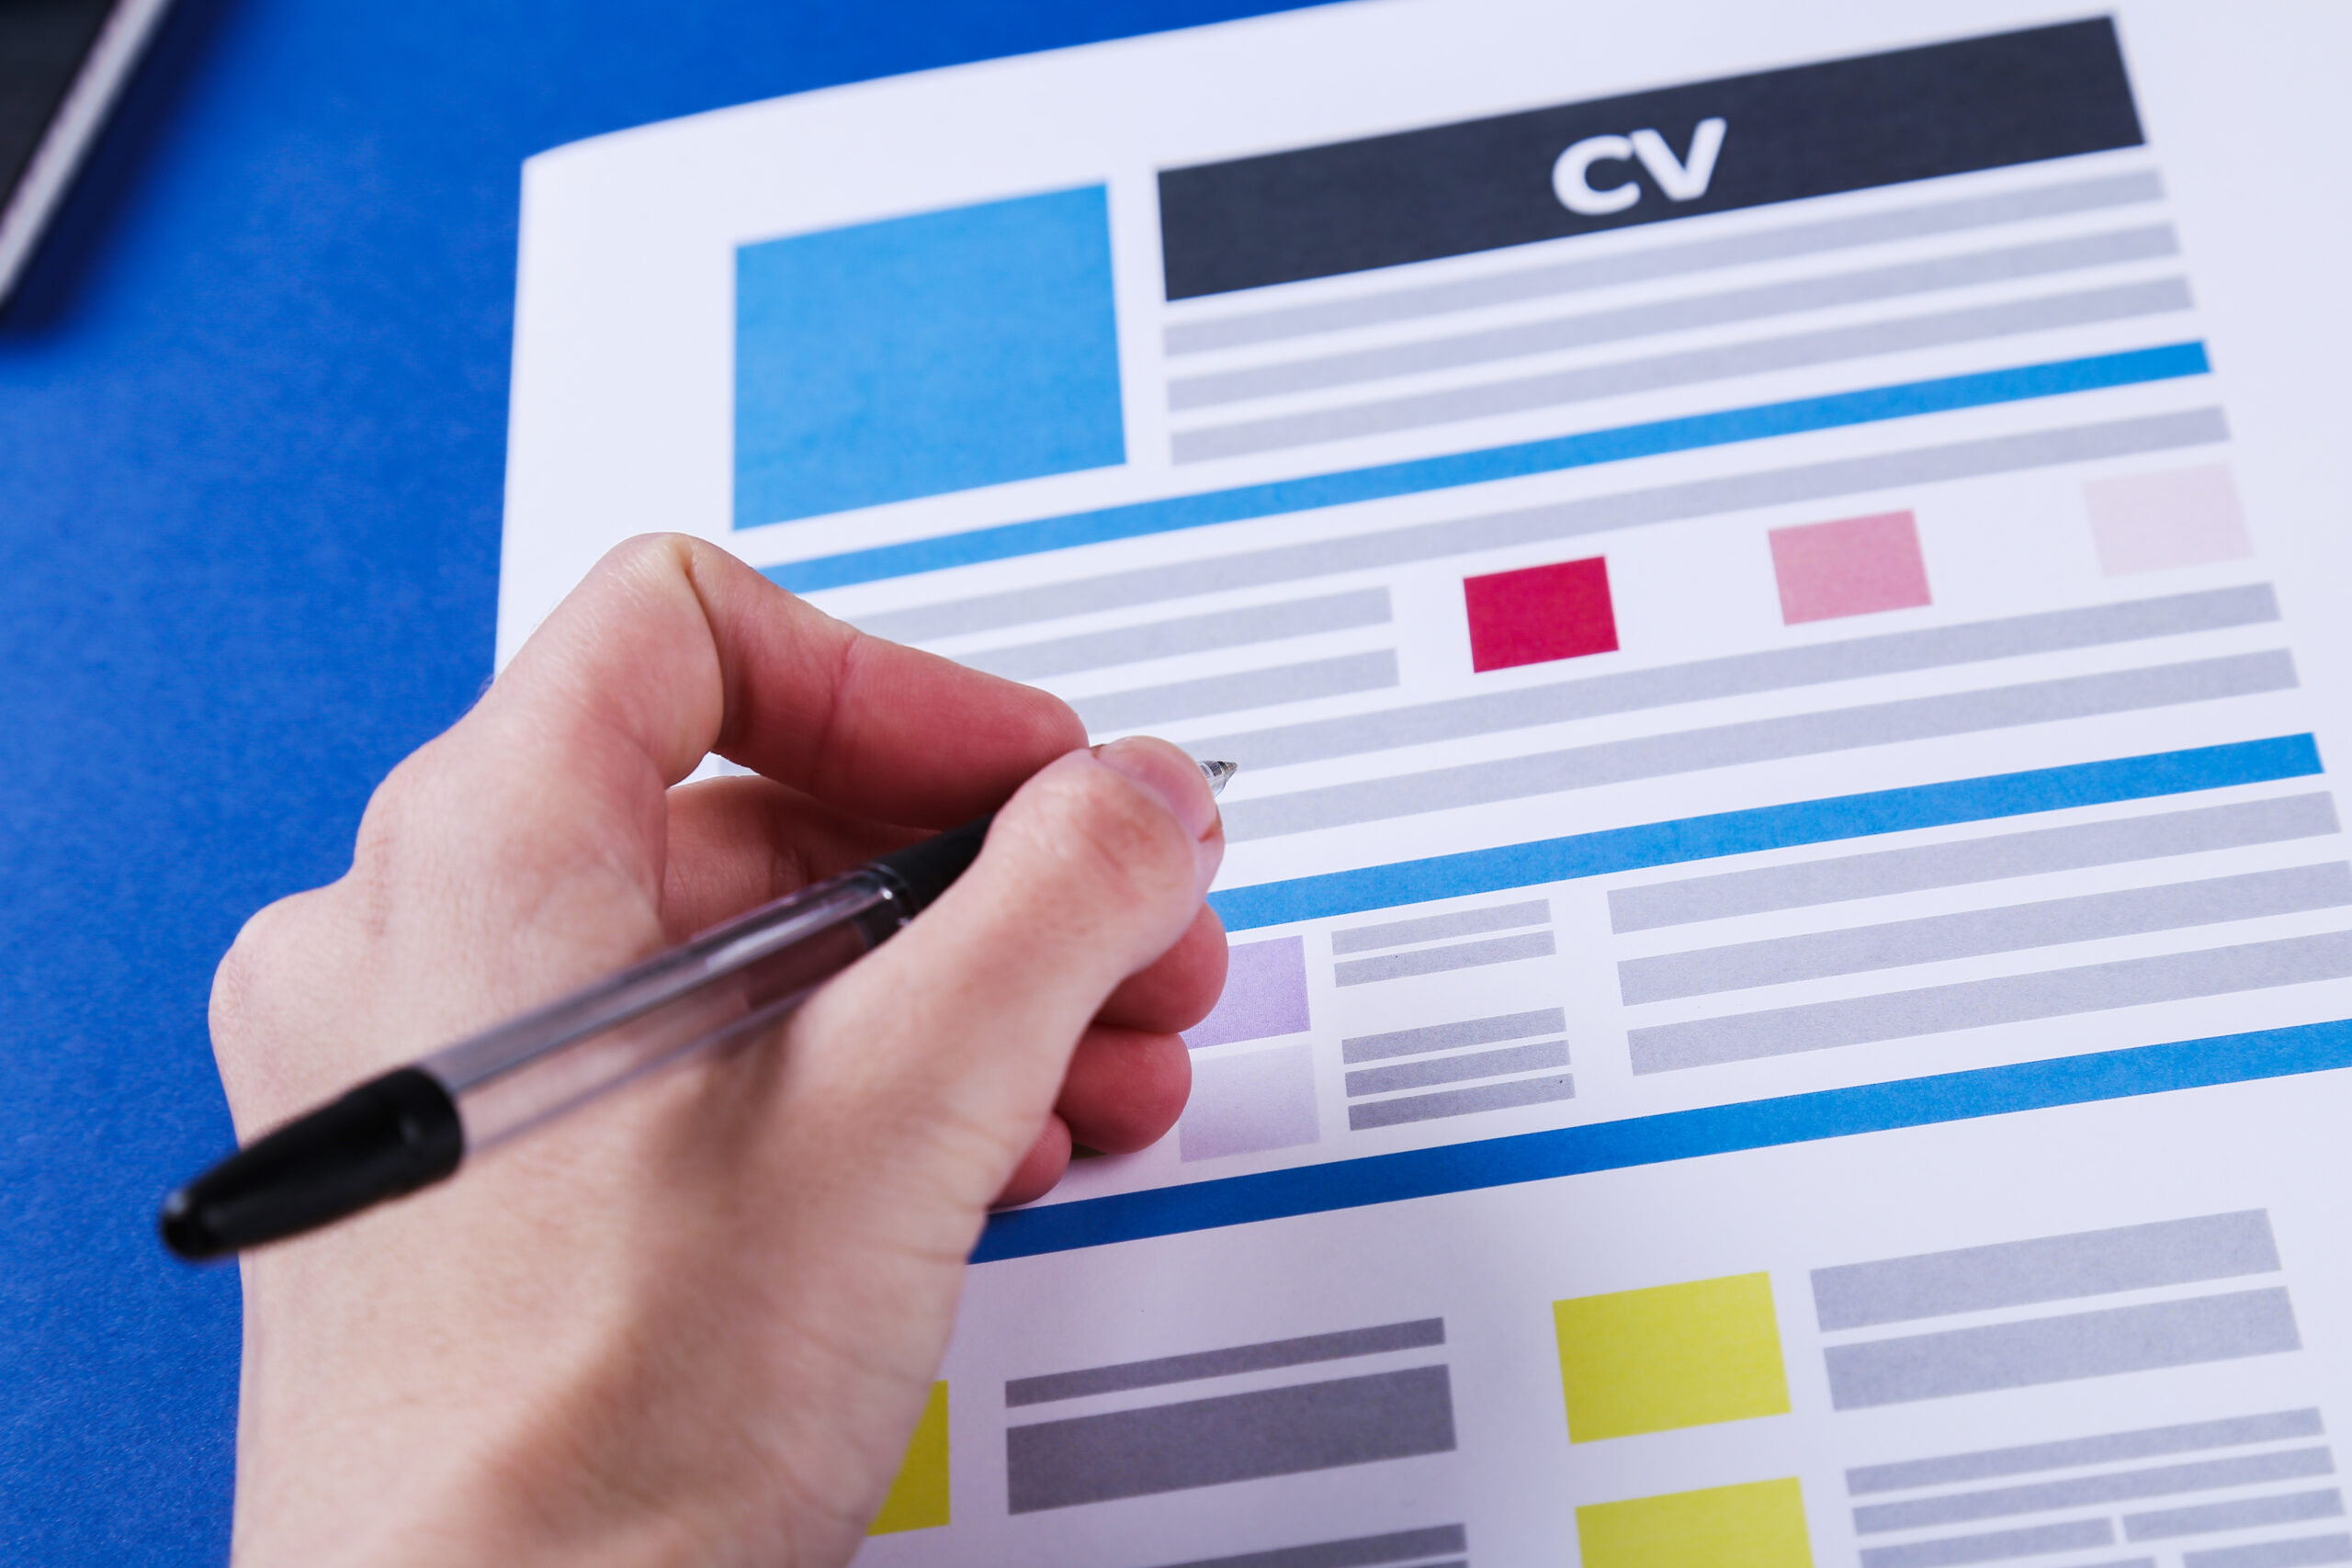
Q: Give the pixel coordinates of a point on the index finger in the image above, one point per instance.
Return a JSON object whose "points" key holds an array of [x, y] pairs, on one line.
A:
{"points": [[671, 648]]}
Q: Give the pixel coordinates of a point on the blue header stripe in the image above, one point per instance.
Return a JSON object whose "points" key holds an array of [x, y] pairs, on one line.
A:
{"points": [[1725, 427], [1766, 828], [1676, 1136]]}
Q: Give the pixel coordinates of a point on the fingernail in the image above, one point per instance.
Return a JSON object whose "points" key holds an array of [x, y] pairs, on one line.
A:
{"points": [[1172, 777]]}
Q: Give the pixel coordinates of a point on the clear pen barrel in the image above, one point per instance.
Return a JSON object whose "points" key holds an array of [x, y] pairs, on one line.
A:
{"points": [[722, 986]]}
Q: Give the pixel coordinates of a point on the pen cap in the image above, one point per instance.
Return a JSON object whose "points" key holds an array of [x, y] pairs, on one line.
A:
{"points": [[390, 1136], [922, 872]]}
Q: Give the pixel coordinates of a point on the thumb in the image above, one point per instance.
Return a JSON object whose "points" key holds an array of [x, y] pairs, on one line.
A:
{"points": [[945, 1049]]}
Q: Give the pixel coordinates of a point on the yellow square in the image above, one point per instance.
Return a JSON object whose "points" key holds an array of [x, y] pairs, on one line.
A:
{"points": [[918, 1499], [1758, 1525], [1670, 1356]]}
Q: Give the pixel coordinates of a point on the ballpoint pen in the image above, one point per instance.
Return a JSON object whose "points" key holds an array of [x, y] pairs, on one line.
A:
{"points": [[414, 1126]]}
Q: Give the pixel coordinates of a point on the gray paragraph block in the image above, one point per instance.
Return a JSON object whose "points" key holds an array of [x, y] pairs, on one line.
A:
{"points": [[1432, 1071], [1459, 1102], [1236, 1436], [1439, 960], [1189, 633], [1448, 1036], [1687, 368], [1973, 934], [2045, 1268], [1999, 1546], [1964, 862], [1208, 695], [1761, 740], [2209, 1518], [1975, 1004], [1431, 928], [1357, 1551], [2060, 1349], [2094, 1491], [2300, 1552], [1417, 1335], [2067, 1453]]}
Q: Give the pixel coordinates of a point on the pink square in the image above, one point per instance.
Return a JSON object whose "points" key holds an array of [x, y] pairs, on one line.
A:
{"points": [[1853, 567], [2180, 517]]}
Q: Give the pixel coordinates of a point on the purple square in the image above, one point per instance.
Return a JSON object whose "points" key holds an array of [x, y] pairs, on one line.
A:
{"points": [[1265, 994], [1250, 1102]]}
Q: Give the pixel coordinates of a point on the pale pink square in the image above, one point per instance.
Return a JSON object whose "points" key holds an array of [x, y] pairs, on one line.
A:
{"points": [[1852, 567], [2180, 517]]}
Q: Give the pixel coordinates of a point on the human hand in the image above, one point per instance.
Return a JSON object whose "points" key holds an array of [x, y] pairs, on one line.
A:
{"points": [[693, 1322]]}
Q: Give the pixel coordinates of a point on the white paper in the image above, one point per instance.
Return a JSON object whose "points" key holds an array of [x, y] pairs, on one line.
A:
{"points": [[2086, 640]]}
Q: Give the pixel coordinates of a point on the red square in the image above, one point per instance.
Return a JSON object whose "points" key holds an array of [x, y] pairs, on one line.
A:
{"points": [[1540, 614]]}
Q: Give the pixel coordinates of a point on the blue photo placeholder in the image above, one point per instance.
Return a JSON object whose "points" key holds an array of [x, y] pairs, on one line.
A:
{"points": [[919, 356]]}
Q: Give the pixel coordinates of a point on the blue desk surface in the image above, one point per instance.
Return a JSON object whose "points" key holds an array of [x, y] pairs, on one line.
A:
{"points": [[253, 414]]}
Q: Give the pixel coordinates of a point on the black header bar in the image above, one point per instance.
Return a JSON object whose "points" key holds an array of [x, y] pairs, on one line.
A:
{"points": [[1879, 119]]}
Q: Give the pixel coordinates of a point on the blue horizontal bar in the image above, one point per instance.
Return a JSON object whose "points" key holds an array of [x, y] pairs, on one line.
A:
{"points": [[1675, 1136], [1758, 423], [1765, 828]]}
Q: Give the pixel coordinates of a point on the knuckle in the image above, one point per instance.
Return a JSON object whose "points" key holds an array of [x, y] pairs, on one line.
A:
{"points": [[291, 1004], [396, 805], [239, 978], [411, 812], [253, 977], [262, 939]]}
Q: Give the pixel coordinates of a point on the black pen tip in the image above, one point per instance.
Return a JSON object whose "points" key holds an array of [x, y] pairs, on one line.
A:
{"points": [[388, 1137], [183, 1230]]}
